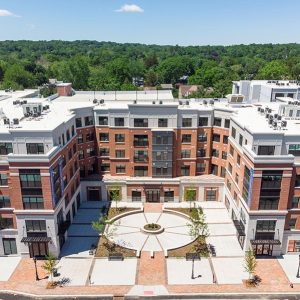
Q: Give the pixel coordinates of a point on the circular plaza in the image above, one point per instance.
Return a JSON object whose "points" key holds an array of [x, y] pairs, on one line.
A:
{"points": [[151, 231]]}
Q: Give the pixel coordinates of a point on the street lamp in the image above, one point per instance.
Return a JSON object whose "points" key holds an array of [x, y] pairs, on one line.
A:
{"points": [[36, 271], [298, 275]]}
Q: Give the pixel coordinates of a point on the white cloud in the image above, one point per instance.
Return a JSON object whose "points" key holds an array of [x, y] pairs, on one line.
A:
{"points": [[130, 8], [6, 13]]}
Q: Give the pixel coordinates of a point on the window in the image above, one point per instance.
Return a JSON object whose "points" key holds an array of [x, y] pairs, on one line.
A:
{"points": [[78, 122], [35, 225], [223, 172], [63, 138], [224, 155], [227, 123], [185, 170], [294, 149], [161, 171], [161, 155], [136, 196], [162, 122], [161, 140], [4, 201], [241, 140], [265, 230], [214, 169], [215, 153], [200, 167], [230, 168], [120, 153], [211, 194], [119, 122], [140, 171], [228, 184], [90, 137], [82, 171], [297, 181], [103, 121], [35, 148], [246, 184], [105, 167], [140, 140], [91, 152], [80, 154], [68, 135], [238, 159], [79, 138], [32, 202], [120, 169], [216, 138], [140, 122], [104, 151], [74, 148], [292, 223], [231, 150], [88, 121], [30, 178], [6, 148], [201, 153], [235, 196], [266, 150], [6, 223], [9, 246], [225, 139], [186, 138], [186, 122], [202, 137], [120, 138], [70, 154], [3, 179], [104, 136], [203, 121], [295, 202], [185, 153], [237, 178], [168, 196], [140, 156], [217, 122], [233, 132], [73, 130]]}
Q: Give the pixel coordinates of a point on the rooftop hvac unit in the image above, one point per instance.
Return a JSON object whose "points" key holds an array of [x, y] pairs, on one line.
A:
{"points": [[101, 101], [95, 101], [262, 110], [204, 102], [153, 102], [279, 118], [134, 102], [16, 121], [47, 106], [259, 108], [24, 101], [6, 121], [275, 116], [290, 102], [35, 115], [274, 124], [270, 122], [271, 117], [211, 102], [187, 102], [26, 115], [180, 102], [267, 116], [44, 108], [160, 102], [283, 123], [14, 102]]}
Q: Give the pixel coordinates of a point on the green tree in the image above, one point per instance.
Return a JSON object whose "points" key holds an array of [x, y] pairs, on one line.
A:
{"points": [[250, 263], [151, 78], [16, 75], [50, 265], [274, 70], [190, 196], [115, 194]]}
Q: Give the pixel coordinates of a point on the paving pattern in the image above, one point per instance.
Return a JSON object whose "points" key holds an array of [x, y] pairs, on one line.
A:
{"points": [[7, 266], [127, 232]]}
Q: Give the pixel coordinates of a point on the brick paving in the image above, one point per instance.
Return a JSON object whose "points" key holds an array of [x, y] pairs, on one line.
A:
{"points": [[153, 207], [151, 271]]}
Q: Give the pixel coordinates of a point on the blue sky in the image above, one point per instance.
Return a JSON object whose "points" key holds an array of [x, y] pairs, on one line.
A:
{"points": [[189, 22]]}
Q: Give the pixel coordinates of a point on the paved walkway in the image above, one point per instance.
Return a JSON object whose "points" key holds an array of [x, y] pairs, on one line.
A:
{"points": [[7, 266], [151, 271]]}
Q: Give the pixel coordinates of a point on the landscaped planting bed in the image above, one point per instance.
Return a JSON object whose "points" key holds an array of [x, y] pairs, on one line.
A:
{"points": [[113, 212]]}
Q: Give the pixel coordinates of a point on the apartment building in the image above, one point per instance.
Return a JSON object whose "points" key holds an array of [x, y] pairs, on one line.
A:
{"points": [[266, 90], [58, 152]]}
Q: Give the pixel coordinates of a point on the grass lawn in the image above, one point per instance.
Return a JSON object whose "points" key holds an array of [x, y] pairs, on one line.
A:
{"points": [[105, 247], [117, 211], [192, 247]]}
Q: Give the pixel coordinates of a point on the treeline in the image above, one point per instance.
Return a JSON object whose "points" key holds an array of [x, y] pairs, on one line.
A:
{"points": [[111, 66]]}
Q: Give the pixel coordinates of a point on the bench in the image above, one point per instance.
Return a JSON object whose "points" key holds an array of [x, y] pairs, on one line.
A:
{"points": [[116, 256]]}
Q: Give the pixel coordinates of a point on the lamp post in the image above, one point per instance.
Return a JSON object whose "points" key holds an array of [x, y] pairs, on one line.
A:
{"points": [[36, 271], [298, 268]]}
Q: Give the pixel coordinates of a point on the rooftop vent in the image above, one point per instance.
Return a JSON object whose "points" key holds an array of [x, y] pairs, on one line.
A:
{"points": [[160, 102]]}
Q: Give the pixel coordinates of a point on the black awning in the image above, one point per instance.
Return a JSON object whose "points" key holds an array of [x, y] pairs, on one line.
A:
{"points": [[239, 227], [36, 239], [259, 242]]}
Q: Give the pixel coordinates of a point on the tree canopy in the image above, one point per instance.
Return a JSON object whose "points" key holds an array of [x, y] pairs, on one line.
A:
{"points": [[111, 66]]}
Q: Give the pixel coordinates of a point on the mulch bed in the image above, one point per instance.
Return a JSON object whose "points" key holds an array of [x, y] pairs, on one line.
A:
{"points": [[117, 211], [105, 247]]}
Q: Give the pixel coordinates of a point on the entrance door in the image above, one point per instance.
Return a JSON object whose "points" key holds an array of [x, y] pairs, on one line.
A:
{"points": [[263, 250], [38, 249], [153, 196], [93, 194]]}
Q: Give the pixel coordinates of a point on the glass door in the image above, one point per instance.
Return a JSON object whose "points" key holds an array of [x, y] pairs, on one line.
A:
{"points": [[153, 196]]}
